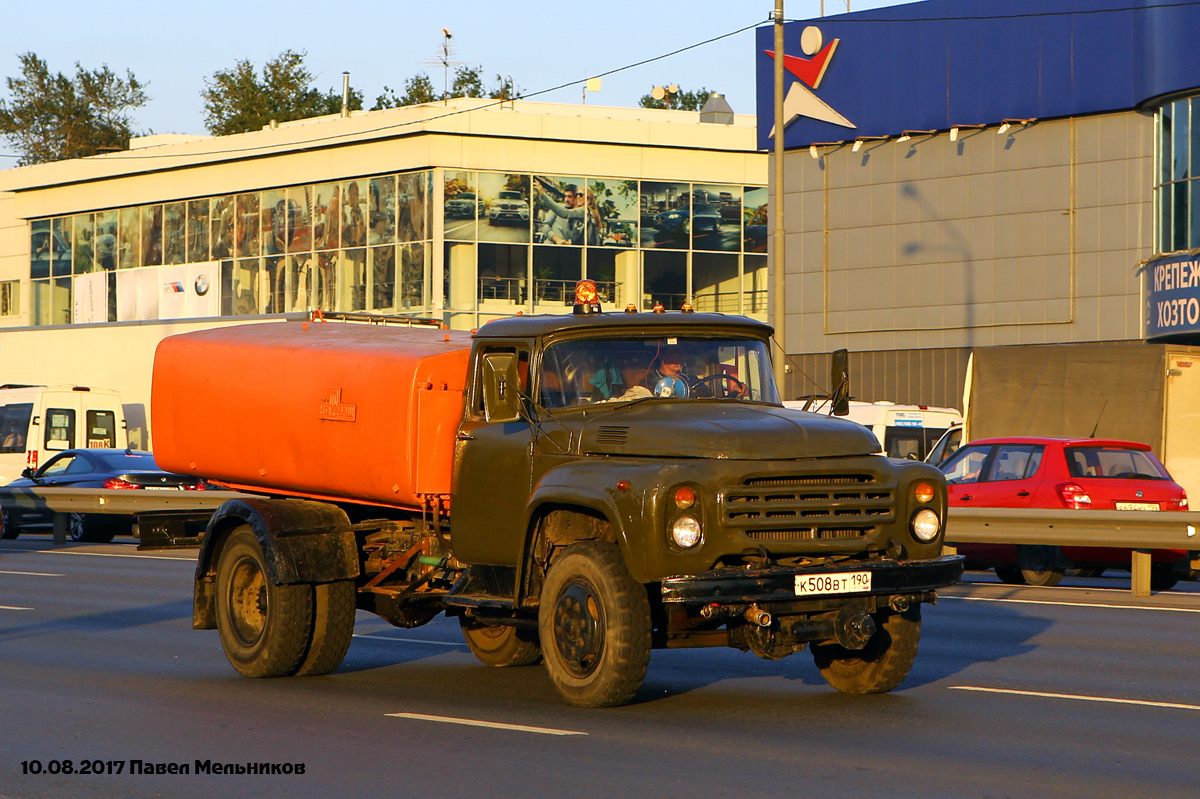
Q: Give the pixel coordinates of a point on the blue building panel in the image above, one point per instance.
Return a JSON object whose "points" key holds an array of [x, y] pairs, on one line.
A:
{"points": [[932, 65]]}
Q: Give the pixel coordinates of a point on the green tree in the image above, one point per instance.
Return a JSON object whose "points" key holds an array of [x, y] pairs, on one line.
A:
{"points": [[417, 89], [468, 82], [238, 100], [52, 117], [679, 101]]}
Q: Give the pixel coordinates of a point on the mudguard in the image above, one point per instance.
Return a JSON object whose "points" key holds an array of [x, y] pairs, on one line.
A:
{"points": [[302, 542]]}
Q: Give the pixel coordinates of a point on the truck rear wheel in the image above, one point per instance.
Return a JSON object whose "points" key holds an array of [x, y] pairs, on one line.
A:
{"points": [[500, 645], [879, 666], [333, 627], [594, 622], [265, 628]]}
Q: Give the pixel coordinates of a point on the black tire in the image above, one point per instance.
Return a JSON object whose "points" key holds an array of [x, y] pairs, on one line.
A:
{"points": [[89, 529], [1163, 578], [1040, 565], [500, 645], [882, 664], [333, 627], [1010, 574], [594, 622], [265, 628], [8, 526]]}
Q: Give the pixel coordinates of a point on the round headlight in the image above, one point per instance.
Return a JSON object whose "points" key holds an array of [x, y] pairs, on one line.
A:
{"points": [[686, 532], [685, 498], [925, 525], [923, 492]]}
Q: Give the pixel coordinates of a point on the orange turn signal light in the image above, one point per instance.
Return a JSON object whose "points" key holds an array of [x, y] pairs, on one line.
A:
{"points": [[924, 492], [685, 498]]}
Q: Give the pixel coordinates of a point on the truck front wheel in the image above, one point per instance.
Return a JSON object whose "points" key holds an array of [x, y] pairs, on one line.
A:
{"points": [[265, 628], [500, 645], [594, 621], [879, 666]]}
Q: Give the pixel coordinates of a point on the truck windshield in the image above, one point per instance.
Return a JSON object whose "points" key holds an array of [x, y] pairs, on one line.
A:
{"points": [[588, 371]]}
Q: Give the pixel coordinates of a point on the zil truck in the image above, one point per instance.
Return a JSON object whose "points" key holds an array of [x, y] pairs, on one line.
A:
{"points": [[576, 489]]}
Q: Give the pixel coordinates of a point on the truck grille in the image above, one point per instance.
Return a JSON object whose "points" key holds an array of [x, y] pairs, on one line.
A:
{"points": [[809, 507]]}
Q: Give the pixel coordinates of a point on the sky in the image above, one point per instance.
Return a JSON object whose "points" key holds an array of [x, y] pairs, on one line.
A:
{"points": [[175, 46]]}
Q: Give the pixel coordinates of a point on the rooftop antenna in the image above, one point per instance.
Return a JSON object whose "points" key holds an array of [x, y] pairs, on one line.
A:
{"points": [[1098, 418], [445, 58]]}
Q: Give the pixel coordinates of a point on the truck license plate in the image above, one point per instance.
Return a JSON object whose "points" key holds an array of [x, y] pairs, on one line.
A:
{"points": [[1137, 506], [162, 488], [843, 583]]}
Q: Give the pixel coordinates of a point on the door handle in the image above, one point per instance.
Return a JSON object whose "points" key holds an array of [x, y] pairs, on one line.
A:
{"points": [[1022, 493], [463, 436], [965, 497]]}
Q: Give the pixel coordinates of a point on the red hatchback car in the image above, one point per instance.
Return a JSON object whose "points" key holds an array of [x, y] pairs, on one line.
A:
{"points": [[1082, 474]]}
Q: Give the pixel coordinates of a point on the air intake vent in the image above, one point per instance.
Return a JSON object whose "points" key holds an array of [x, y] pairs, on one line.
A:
{"points": [[612, 434]]}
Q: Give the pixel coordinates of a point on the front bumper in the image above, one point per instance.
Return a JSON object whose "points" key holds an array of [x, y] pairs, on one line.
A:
{"points": [[777, 584]]}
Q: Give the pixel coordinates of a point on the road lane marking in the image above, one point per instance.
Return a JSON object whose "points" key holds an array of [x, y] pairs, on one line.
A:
{"points": [[1069, 604], [10, 607], [1042, 695], [34, 574], [396, 640], [112, 555], [492, 724]]}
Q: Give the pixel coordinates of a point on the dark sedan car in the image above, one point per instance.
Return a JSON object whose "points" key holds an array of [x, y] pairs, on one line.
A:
{"points": [[93, 468]]}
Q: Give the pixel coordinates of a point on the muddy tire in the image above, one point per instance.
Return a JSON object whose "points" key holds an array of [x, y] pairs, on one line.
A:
{"points": [[500, 645], [594, 623], [1040, 565], [265, 628], [882, 664], [333, 627]]}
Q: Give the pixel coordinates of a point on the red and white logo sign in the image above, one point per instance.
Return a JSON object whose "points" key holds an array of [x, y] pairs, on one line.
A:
{"points": [[800, 100]]}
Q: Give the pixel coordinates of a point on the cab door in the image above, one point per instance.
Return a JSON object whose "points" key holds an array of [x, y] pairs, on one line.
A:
{"points": [[493, 460]]}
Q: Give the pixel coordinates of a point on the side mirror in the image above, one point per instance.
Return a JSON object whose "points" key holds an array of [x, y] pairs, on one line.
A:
{"points": [[839, 383], [501, 403], [27, 472]]}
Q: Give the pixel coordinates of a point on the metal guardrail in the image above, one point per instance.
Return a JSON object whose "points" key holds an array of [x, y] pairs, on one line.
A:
{"points": [[111, 500], [1141, 531], [64, 501]]}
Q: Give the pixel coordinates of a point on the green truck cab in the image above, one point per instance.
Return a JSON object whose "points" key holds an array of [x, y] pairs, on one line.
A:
{"points": [[645, 489]]}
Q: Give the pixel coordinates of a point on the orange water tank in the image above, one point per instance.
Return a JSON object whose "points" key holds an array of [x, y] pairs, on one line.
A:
{"points": [[364, 413]]}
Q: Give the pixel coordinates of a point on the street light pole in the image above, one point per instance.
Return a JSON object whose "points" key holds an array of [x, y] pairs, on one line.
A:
{"points": [[779, 281]]}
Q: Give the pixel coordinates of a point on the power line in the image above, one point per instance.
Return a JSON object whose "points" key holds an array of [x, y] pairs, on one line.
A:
{"points": [[126, 155]]}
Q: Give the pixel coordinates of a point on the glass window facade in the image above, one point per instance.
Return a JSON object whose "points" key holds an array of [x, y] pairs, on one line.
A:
{"points": [[519, 242], [359, 245], [1177, 180], [510, 242]]}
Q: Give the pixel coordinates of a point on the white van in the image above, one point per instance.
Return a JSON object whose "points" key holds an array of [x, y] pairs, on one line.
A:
{"points": [[904, 431], [38, 421]]}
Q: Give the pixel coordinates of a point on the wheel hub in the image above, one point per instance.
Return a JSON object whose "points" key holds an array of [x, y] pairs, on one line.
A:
{"points": [[248, 601], [579, 628]]}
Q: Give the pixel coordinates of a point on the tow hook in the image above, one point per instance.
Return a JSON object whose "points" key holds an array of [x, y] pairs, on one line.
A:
{"points": [[899, 603]]}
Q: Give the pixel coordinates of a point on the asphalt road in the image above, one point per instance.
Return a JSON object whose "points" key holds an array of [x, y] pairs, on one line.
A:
{"points": [[1017, 692]]}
